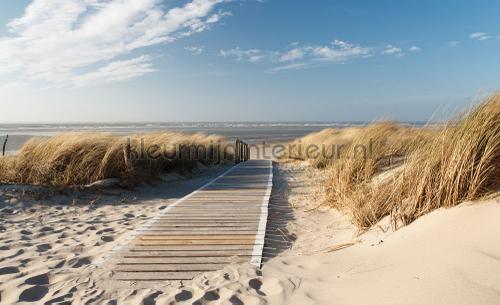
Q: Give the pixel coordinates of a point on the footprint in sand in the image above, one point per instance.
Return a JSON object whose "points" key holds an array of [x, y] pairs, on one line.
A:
{"points": [[26, 232], [151, 299], [43, 247], [9, 270], [42, 279], [46, 229], [33, 294], [184, 295], [211, 296], [60, 299], [236, 301], [256, 284]]}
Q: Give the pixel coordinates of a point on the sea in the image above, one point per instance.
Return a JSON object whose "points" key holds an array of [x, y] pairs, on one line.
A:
{"points": [[250, 132]]}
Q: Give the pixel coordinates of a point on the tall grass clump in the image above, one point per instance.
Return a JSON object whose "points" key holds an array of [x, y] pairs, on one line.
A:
{"points": [[462, 163], [327, 140], [440, 168], [351, 175], [80, 159], [382, 141]]}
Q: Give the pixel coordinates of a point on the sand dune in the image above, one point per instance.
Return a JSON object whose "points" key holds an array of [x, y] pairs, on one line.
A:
{"points": [[49, 252]]}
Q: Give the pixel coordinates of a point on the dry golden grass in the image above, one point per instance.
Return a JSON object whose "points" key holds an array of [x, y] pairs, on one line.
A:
{"points": [[385, 142], [462, 163], [412, 171], [326, 139], [79, 159], [459, 162]]}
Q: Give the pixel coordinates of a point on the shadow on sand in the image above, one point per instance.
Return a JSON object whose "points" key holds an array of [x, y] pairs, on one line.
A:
{"points": [[278, 238]]}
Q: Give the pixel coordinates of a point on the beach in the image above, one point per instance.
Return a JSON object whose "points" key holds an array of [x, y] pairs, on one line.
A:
{"points": [[52, 248], [398, 225], [251, 132], [249, 152]]}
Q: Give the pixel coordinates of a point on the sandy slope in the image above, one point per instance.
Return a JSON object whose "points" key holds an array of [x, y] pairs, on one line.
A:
{"points": [[48, 253], [447, 257]]}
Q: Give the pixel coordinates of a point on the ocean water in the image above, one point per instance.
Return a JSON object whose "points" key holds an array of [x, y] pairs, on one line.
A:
{"points": [[251, 132]]}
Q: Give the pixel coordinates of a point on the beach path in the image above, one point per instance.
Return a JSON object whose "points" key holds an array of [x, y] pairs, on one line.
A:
{"points": [[221, 223]]}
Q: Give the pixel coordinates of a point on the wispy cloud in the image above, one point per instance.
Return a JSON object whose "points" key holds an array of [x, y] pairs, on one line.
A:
{"points": [[195, 50], [339, 51], [296, 66], [300, 57], [54, 40], [480, 36], [392, 50], [291, 55], [251, 55], [116, 71], [453, 44], [415, 49]]}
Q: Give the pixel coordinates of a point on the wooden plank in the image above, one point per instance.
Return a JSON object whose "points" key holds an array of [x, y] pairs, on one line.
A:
{"points": [[193, 242], [169, 248], [155, 276], [188, 254], [186, 223], [222, 223], [169, 268], [203, 232], [208, 220], [155, 236], [183, 260], [208, 216]]}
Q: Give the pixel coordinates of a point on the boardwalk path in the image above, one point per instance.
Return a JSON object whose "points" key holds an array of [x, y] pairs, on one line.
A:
{"points": [[221, 223]]}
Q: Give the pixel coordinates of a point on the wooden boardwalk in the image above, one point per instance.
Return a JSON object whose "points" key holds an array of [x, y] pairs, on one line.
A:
{"points": [[223, 222]]}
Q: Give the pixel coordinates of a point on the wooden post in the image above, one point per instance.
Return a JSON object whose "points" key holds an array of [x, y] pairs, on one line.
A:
{"points": [[4, 145], [218, 153], [127, 156], [241, 152], [211, 154], [237, 151]]}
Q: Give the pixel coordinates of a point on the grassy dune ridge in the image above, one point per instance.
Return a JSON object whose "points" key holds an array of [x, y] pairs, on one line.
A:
{"points": [[411, 171], [83, 158]]}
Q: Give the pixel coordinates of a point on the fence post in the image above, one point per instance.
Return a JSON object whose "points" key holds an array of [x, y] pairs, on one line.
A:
{"points": [[218, 152], [4, 144], [237, 152], [241, 152]]}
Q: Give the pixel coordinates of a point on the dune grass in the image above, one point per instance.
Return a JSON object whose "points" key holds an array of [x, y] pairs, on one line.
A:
{"points": [[411, 171], [80, 159], [462, 163]]}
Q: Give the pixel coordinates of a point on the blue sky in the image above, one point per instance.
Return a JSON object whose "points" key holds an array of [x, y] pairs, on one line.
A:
{"points": [[272, 60]]}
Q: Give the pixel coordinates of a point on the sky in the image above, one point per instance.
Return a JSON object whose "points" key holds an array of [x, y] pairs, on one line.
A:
{"points": [[245, 60]]}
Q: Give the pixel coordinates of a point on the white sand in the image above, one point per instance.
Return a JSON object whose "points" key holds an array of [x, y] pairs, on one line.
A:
{"points": [[48, 253]]}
